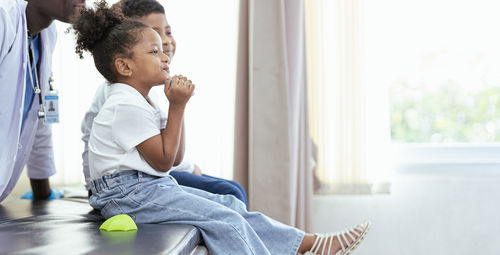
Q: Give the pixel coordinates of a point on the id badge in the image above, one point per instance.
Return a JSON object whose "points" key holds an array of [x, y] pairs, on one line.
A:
{"points": [[51, 104]]}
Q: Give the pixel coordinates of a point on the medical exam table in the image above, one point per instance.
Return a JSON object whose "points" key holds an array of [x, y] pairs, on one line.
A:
{"points": [[71, 226]]}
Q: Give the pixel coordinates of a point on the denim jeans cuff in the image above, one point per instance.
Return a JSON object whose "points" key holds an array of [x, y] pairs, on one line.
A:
{"points": [[298, 241]]}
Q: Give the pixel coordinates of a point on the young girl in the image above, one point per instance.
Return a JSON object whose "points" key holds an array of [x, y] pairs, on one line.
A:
{"points": [[152, 13], [130, 155]]}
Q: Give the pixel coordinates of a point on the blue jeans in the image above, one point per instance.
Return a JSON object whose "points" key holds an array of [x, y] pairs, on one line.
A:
{"points": [[225, 224], [211, 184]]}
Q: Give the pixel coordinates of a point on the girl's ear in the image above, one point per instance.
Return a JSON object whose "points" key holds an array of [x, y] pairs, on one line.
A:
{"points": [[124, 66]]}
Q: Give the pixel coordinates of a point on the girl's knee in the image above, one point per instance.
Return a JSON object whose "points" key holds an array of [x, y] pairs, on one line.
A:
{"points": [[226, 188], [239, 192]]}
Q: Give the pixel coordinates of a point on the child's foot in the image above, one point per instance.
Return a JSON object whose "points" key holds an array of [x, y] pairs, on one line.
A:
{"points": [[341, 243]]}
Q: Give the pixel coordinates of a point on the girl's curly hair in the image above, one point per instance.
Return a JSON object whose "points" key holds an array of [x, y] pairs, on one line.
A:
{"points": [[107, 35]]}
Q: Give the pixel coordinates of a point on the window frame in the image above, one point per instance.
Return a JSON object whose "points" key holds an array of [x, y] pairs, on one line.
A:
{"points": [[447, 159]]}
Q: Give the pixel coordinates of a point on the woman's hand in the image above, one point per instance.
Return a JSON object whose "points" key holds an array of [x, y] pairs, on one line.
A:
{"points": [[179, 90]]}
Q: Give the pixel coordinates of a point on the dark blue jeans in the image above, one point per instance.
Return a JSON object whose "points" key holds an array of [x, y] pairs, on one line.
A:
{"points": [[211, 184]]}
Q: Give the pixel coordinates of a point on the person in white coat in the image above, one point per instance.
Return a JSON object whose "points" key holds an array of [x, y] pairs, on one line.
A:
{"points": [[27, 40]]}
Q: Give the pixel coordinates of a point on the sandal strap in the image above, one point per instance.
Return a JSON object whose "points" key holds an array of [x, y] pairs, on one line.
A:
{"points": [[331, 243], [359, 229], [351, 236], [341, 237], [317, 243], [323, 241], [351, 233], [326, 240]]}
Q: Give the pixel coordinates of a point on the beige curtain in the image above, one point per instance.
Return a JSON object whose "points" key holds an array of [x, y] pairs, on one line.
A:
{"points": [[273, 157]]}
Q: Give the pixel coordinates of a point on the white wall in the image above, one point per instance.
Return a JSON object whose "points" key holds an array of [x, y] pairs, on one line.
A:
{"points": [[425, 214]]}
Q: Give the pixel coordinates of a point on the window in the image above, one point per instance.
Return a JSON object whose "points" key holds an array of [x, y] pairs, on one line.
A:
{"points": [[441, 62], [410, 85]]}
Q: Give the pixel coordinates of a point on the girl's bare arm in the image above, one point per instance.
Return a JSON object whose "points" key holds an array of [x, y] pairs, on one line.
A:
{"points": [[180, 150], [161, 151]]}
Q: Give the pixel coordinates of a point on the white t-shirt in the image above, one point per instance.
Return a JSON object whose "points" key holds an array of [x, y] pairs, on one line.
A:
{"points": [[101, 95], [125, 120]]}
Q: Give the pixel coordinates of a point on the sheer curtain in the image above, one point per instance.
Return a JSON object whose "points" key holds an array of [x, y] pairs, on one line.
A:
{"points": [[349, 115], [76, 80]]}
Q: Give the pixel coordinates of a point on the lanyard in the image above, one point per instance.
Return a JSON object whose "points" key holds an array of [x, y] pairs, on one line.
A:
{"points": [[31, 60]]}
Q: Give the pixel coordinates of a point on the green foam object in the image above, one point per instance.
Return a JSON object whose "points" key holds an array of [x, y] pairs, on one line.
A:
{"points": [[121, 222]]}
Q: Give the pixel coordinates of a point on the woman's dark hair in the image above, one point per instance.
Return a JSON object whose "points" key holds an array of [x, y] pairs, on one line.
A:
{"points": [[140, 8], [106, 34]]}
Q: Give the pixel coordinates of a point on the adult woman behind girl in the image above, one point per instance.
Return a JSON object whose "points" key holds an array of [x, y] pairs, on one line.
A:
{"points": [[130, 154], [152, 13]]}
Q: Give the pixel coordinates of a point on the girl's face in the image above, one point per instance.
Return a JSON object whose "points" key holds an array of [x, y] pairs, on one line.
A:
{"points": [[150, 64], [159, 23]]}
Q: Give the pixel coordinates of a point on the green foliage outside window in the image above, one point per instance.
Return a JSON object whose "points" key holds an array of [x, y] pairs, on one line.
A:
{"points": [[444, 113]]}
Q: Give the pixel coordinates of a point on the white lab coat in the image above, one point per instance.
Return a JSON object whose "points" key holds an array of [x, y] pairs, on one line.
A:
{"points": [[33, 144]]}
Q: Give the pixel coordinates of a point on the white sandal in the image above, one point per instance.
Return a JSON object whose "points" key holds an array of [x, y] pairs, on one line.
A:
{"points": [[346, 248]]}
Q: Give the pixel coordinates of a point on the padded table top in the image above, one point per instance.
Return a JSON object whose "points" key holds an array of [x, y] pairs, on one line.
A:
{"points": [[71, 226]]}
